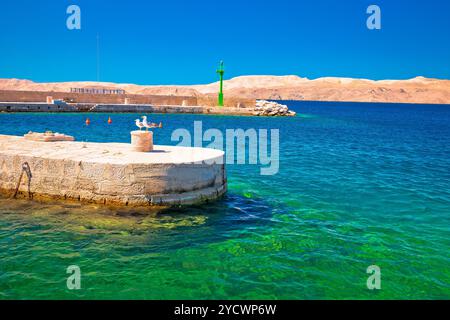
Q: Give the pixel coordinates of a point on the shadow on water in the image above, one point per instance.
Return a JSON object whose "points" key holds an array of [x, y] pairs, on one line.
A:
{"points": [[146, 229], [228, 217]]}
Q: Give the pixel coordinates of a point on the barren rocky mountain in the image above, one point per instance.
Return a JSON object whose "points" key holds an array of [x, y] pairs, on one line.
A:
{"points": [[417, 90]]}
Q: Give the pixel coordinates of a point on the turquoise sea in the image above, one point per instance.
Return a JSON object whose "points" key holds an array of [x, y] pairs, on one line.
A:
{"points": [[359, 185]]}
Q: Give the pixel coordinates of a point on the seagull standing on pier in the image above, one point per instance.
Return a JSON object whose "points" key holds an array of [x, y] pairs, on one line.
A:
{"points": [[145, 123], [150, 125], [139, 124]]}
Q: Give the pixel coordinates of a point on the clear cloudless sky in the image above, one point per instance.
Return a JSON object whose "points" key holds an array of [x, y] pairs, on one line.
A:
{"points": [[182, 41]]}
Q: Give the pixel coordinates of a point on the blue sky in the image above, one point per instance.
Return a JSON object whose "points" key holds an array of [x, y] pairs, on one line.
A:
{"points": [[182, 41]]}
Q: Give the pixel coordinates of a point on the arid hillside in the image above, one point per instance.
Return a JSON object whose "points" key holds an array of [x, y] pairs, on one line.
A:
{"points": [[417, 90]]}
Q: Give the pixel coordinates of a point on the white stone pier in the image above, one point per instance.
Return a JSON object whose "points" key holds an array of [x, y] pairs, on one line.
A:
{"points": [[111, 173]]}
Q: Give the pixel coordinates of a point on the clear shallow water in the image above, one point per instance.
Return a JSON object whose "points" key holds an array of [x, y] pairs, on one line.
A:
{"points": [[359, 184]]}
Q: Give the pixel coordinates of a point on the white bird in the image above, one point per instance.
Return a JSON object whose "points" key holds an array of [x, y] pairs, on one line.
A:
{"points": [[145, 123], [139, 124]]}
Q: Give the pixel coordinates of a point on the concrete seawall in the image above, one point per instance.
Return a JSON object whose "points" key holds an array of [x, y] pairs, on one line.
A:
{"points": [[120, 108], [110, 173], [35, 107], [153, 99], [111, 108], [36, 96]]}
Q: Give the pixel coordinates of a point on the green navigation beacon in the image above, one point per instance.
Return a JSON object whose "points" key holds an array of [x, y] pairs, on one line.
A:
{"points": [[221, 71]]}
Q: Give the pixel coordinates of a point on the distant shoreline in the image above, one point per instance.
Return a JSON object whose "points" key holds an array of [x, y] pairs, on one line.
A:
{"points": [[418, 90], [40, 107]]}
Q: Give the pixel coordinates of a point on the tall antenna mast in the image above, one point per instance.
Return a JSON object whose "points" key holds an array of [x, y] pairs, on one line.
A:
{"points": [[98, 57]]}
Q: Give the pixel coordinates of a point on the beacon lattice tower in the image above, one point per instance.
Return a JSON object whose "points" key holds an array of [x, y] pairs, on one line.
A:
{"points": [[220, 71]]}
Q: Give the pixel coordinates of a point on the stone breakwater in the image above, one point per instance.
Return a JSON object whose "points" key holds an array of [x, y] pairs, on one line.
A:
{"points": [[272, 109], [110, 173], [262, 108]]}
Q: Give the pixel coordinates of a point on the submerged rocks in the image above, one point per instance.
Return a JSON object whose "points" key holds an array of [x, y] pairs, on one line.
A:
{"points": [[271, 109]]}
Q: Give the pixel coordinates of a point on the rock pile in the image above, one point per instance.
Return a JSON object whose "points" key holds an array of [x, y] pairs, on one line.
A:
{"points": [[271, 109]]}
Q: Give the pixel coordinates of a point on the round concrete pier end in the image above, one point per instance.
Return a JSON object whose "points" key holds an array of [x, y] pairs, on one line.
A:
{"points": [[111, 173]]}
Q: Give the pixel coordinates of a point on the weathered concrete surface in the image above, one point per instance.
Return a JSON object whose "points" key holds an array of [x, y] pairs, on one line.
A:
{"points": [[118, 108], [142, 141], [110, 173], [40, 96], [35, 107], [110, 108], [229, 111]]}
